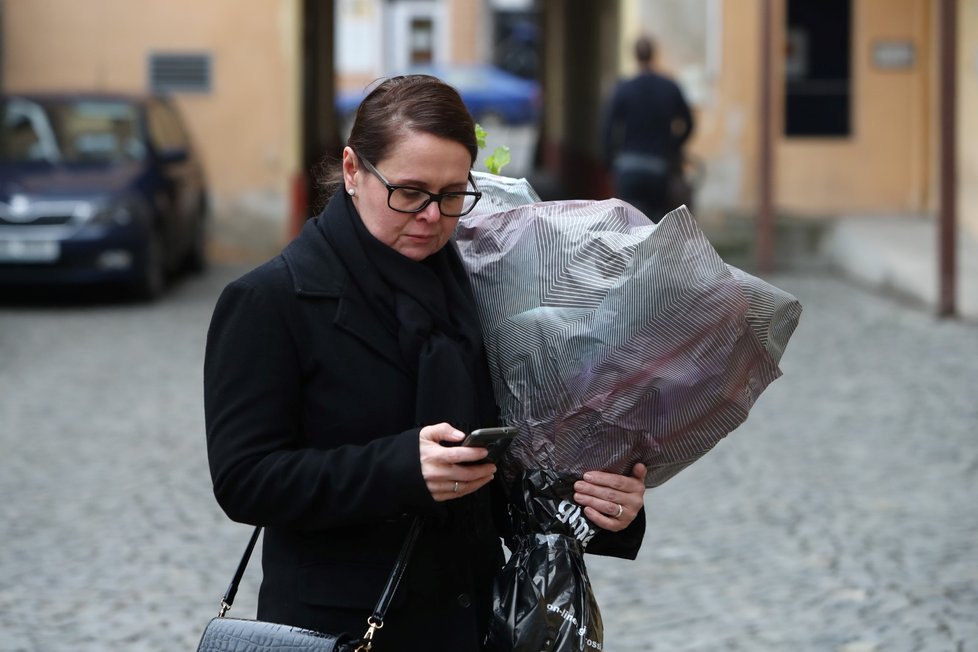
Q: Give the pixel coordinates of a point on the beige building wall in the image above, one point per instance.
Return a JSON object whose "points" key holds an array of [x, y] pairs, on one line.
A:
{"points": [[884, 165], [246, 127], [727, 126], [467, 21], [887, 166]]}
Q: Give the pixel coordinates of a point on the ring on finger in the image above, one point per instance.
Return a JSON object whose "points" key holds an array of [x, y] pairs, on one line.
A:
{"points": [[455, 488], [621, 510]]}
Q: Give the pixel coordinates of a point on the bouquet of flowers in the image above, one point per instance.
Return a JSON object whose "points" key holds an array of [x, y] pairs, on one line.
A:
{"points": [[611, 340]]}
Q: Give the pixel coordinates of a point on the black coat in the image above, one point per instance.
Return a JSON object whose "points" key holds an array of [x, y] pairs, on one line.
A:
{"points": [[300, 379], [641, 117]]}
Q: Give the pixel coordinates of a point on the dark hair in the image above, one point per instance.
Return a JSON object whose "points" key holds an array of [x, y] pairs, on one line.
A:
{"points": [[644, 49], [399, 105]]}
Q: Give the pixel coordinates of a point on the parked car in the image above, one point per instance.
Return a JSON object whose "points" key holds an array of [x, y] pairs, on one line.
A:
{"points": [[98, 188], [492, 95]]}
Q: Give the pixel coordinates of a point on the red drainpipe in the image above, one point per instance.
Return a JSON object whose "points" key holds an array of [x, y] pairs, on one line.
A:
{"points": [[299, 209], [947, 98], [765, 216]]}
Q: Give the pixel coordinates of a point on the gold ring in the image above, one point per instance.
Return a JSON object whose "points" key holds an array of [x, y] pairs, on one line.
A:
{"points": [[455, 489], [621, 510]]}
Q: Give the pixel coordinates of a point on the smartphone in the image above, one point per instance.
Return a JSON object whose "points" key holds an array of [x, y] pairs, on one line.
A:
{"points": [[495, 440]]}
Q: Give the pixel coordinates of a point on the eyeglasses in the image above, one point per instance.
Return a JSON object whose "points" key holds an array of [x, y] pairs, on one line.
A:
{"points": [[408, 199]]}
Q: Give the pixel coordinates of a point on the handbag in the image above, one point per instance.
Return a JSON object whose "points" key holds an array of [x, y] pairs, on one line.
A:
{"points": [[239, 635]]}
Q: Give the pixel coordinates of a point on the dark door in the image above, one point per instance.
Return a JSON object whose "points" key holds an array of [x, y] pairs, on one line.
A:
{"points": [[818, 75]]}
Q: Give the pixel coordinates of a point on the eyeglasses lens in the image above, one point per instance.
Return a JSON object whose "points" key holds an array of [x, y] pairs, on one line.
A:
{"points": [[409, 200]]}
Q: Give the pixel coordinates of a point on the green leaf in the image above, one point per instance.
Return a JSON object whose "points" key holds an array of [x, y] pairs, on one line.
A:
{"points": [[498, 160]]}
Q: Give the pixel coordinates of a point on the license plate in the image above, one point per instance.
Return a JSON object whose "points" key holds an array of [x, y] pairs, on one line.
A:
{"points": [[29, 251]]}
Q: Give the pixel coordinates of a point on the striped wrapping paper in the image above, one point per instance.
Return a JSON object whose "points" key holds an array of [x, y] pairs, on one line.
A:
{"points": [[612, 340]]}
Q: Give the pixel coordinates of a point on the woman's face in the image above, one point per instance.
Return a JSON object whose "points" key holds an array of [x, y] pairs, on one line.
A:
{"points": [[419, 160]]}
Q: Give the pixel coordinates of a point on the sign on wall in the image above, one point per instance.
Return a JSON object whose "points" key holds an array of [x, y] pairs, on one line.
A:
{"points": [[894, 55]]}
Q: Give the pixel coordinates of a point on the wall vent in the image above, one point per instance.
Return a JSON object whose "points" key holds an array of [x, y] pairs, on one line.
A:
{"points": [[180, 73]]}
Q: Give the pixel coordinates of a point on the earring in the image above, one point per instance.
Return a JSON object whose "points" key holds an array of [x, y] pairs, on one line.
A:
{"points": [[351, 191]]}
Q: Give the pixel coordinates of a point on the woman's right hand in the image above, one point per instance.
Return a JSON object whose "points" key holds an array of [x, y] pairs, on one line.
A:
{"points": [[441, 465]]}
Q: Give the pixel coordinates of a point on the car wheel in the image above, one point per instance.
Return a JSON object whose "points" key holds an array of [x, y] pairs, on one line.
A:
{"points": [[196, 260], [152, 277]]}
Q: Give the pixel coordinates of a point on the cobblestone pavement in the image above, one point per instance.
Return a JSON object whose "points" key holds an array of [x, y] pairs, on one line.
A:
{"points": [[841, 517]]}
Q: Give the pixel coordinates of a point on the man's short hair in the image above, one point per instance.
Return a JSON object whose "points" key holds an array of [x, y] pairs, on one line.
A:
{"points": [[644, 49]]}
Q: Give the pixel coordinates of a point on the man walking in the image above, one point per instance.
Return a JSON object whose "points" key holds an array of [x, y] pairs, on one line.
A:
{"points": [[645, 126]]}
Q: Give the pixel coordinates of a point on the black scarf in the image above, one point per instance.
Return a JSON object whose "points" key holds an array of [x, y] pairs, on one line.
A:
{"points": [[430, 308]]}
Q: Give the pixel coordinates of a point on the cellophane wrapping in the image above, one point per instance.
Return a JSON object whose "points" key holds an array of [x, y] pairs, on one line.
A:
{"points": [[611, 340]]}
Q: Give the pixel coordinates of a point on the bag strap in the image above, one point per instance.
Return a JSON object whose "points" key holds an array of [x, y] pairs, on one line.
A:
{"points": [[376, 619], [232, 591]]}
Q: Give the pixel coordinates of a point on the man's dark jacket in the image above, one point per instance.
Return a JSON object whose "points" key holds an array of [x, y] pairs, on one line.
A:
{"points": [[642, 118]]}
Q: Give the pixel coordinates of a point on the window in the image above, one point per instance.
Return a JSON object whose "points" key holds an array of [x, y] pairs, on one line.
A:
{"points": [[165, 130], [818, 77], [187, 73], [70, 131], [422, 43]]}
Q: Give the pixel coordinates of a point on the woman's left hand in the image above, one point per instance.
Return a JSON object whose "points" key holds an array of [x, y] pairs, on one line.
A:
{"points": [[611, 501]]}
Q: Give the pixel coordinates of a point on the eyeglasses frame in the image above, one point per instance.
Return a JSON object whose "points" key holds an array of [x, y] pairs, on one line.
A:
{"points": [[432, 196]]}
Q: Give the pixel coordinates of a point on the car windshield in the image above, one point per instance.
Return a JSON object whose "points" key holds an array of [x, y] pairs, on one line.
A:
{"points": [[69, 131]]}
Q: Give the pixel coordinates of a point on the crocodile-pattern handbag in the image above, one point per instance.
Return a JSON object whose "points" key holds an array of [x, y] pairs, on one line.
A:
{"points": [[238, 635]]}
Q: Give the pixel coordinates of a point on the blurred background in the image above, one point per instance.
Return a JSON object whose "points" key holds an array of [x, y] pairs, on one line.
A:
{"points": [[144, 139], [841, 97]]}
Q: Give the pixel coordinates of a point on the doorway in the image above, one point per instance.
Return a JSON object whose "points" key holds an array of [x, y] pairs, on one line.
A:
{"points": [[818, 75]]}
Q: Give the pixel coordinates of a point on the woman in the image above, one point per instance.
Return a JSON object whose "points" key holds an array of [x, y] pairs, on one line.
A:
{"points": [[335, 372]]}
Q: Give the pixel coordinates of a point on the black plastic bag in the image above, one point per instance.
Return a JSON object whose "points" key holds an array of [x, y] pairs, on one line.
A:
{"points": [[542, 597]]}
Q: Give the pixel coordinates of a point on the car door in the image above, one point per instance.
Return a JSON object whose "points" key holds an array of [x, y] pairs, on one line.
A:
{"points": [[178, 197]]}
